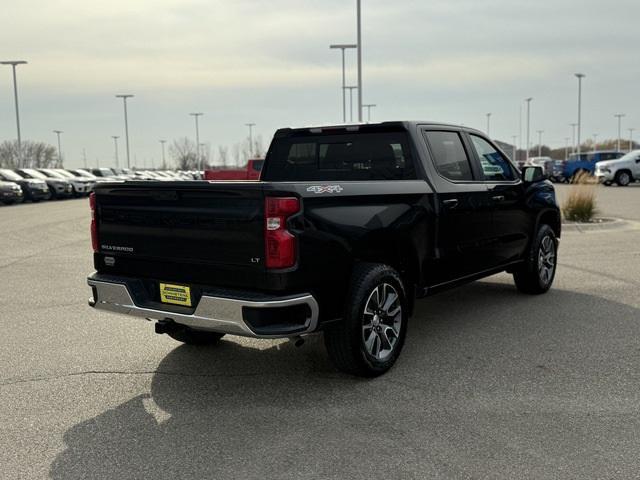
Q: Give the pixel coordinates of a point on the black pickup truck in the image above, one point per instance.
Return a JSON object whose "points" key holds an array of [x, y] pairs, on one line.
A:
{"points": [[347, 227]]}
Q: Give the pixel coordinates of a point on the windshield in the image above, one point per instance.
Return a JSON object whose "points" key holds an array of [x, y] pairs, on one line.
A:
{"points": [[9, 175], [84, 173], [631, 155], [53, 173], [65, 174], [34, 173]]}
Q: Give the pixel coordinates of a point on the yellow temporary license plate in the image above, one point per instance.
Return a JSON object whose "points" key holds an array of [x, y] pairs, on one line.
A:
{"points": [[176, 294]]}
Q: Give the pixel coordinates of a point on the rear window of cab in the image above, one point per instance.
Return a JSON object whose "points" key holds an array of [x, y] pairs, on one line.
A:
{"points": [[348, 156]]}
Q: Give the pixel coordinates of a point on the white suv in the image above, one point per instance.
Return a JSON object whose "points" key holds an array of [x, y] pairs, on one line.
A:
{"points": [[623, 170]]}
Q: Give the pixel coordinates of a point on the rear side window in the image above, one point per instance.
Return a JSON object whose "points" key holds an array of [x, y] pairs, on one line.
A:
{"points": [[349, 156], [495, 167], [450, 157]]}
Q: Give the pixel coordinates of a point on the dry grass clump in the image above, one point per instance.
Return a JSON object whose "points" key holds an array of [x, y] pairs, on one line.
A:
{"points": [[580, 205]]}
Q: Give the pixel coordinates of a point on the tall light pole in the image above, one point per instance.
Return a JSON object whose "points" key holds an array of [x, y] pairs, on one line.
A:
{"points": [[13, 64], [58, 132], [489, 125], [250, 125], [359, 42], [514, 149], [540, 132], [115, 144], [631, 138], [164, 162], [595, 141], [124, 97], [520, 126], [619, 117], [528, 100], [566, 148], [573, 137], [351, 89], [369, 106], [198, 159], [579, 76], [343, 47]]}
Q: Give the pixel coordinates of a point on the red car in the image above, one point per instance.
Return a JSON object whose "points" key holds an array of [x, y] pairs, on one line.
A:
{"points": [[250, 172]]}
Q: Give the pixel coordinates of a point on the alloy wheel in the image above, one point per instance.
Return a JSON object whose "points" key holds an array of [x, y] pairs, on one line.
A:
{"points": [[624, 179], [382, 321], [546, 259]]}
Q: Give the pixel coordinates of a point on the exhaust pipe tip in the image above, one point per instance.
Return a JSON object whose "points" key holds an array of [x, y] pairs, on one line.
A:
{"points": [[297, 341], [166, 326]]}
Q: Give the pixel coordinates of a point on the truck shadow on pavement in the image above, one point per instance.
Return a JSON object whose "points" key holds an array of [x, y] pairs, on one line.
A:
{"points": [[489, 382]]}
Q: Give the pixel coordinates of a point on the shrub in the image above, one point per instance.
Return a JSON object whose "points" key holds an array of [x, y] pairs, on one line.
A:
{"points": [[580, 205]]}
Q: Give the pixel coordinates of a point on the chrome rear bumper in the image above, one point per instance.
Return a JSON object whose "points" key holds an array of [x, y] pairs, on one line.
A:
{"points": [[212, 313]]}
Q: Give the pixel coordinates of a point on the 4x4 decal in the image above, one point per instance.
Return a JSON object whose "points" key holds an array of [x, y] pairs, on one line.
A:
{"points": [[325, 189]]}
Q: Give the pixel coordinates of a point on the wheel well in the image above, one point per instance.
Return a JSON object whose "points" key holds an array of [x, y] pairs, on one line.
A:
{"points": [[625, 170], [405, 263], [552, 219]]}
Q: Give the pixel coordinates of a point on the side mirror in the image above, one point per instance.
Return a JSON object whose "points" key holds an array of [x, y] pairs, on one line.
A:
{"points": [[533, 173]]}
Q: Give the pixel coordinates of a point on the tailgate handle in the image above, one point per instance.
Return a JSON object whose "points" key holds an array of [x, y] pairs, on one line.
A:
{"points": [[451, 203], [498, 198]]}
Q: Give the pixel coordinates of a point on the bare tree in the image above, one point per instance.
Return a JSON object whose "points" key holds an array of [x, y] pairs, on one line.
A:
{"points": [[34, 154], [184, 153], [205, 155], [237, 153], [223, 155], [258, 147]]}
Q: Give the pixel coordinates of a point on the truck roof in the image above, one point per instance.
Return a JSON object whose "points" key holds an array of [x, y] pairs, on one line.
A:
{"points": [[371, 127]]}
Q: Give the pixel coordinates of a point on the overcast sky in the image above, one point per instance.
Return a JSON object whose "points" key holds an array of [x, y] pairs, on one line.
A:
{"points": [[242, 61]]}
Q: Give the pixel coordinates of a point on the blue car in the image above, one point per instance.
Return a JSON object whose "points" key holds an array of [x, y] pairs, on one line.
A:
{"points": [[586, 162]]}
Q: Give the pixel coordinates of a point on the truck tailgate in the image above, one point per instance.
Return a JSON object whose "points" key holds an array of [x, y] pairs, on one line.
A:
{"points": [[182, 223]]}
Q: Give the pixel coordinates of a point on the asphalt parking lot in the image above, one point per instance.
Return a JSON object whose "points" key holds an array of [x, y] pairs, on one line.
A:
{"points": [[491, 384]]}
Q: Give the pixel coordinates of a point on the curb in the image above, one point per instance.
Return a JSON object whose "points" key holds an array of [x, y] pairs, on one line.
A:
{"points": [[609, 224]]}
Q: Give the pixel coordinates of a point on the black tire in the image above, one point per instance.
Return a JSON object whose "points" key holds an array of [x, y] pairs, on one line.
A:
{"points": [[195, 337], [536, 274], [623, 178], [345, 341]]}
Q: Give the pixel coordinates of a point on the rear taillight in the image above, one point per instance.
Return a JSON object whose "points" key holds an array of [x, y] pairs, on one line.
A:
{"points": [[94, 222], [280, 244]]}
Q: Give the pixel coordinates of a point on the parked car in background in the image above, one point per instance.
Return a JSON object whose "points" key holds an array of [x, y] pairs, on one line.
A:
{"points": [[558, 172], [107, 173], [81, 187], [59, 187], [622, 171], [10, 192], [545, 162], [586, 162], [33, 190], [250, 172]]}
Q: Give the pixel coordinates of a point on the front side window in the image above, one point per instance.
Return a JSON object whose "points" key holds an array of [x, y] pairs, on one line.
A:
{"points": [[450, 158], [494, 166], [34, 174]]}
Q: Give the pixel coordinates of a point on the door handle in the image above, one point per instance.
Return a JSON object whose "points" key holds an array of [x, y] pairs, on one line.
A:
{"points": [[451, 203], [498, 198]]}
